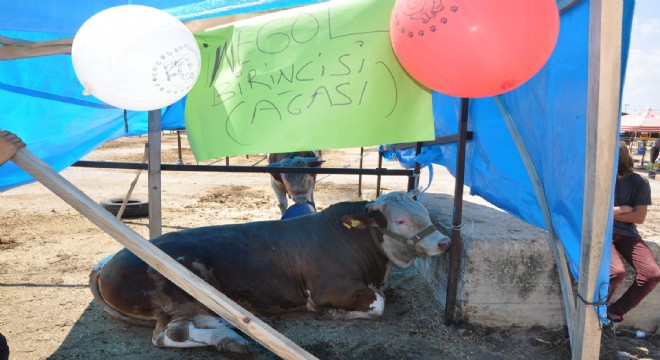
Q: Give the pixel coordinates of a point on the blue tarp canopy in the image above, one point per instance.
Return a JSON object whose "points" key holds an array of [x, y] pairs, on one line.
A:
{"points": [[41, 101], [550, 115]]}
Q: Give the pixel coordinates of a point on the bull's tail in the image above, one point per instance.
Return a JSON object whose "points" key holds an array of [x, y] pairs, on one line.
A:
{"points": [[94, 287]]}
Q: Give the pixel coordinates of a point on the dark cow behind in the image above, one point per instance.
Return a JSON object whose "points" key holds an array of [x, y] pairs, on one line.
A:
{"points": [[337, 260], [298, 187]]}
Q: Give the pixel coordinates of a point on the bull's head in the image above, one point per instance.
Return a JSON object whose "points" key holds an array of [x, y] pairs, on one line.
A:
{"points": [[406, 226], [299, 187]]}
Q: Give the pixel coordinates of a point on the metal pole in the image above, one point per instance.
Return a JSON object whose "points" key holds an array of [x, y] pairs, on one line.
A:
{"points": [[456, 247], [413, 180], [380, 165], [178, 140], [155, 216], [360, 176]]}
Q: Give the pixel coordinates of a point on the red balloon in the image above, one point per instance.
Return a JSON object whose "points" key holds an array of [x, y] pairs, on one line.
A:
{"points": [[473, 48]]}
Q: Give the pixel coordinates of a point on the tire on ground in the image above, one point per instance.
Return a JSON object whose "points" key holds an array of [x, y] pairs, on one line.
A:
{"points": [[135, 208]]}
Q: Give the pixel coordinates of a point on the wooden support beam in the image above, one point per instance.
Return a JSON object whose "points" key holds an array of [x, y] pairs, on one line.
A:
{"points": [[603, 91], [154, 180], [19, 49], [161, 262]]}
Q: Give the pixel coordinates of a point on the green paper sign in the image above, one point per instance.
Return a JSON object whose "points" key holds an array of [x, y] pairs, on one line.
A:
{"points": [[317, 77]]}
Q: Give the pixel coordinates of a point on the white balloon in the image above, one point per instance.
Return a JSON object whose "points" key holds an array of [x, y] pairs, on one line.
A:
{"points": [[135, 57]]}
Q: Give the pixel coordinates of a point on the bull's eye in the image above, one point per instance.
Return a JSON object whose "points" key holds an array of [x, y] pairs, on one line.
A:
{"points": [[400, 221]]}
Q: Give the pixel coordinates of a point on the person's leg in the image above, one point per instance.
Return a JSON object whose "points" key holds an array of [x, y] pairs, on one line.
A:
{"points": [[638, 254], [617, 273]]}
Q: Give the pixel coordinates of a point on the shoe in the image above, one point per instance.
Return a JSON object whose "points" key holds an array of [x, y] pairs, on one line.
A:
{"points": [[614, 318], [611, 329]]}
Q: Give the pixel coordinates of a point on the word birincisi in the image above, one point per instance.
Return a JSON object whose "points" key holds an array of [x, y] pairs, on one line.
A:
{"points": [[288, 67]]}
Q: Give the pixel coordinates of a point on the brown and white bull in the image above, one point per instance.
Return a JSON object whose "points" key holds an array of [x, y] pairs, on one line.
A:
{"points": [[337, 260], [298, 187]]}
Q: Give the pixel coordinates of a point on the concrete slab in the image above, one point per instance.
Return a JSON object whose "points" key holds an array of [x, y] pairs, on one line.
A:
{"points": [[508, 276]]}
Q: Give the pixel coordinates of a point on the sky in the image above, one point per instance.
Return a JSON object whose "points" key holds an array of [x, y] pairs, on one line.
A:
{"points": [[642, 84]]}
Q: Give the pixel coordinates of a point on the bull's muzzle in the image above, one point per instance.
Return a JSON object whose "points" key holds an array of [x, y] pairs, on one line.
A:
{"points": [[298, 198]]}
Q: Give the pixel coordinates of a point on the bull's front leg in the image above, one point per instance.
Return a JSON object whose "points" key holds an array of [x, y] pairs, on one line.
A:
{"points": [[197, 331], [280, 193], [353, 301]]}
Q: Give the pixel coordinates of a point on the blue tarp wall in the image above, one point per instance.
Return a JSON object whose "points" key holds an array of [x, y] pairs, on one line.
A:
{"points": [[550, 113], [41, 101]]}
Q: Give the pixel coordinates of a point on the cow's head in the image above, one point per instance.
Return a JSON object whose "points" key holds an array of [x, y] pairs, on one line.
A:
{"points": [[406, 226], [299, 187]]}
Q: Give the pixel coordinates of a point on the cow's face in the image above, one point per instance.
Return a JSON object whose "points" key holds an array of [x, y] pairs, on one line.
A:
{"points": [[299, 187], [407, 218]]}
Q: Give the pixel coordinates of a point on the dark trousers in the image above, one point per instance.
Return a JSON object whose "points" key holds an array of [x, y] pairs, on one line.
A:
{"points": [[654, 154], [637, 254], [4, 349]]}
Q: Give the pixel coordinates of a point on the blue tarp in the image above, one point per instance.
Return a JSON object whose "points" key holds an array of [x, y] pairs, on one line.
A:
{"points": [[41, 99], [42, 102], [550, 113]]}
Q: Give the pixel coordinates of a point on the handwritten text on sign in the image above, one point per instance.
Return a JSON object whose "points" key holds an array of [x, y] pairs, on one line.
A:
{"points": [[318, 77]]}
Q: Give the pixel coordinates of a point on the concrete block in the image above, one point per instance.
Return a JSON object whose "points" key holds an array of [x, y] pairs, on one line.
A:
{"points": [[508, 276]]}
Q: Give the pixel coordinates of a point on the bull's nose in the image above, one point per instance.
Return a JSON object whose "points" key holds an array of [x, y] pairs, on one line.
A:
{"points": [[444, 246], [299, 198]]}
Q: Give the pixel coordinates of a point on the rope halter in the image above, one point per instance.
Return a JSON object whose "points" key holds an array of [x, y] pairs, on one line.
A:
{"points": [[411, 241]]}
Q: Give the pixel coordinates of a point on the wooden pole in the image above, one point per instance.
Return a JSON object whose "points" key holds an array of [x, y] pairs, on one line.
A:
{"points": [[155, 203], [456, 246], [18, 49], [603, 90], [161, 262], [133, 183]]}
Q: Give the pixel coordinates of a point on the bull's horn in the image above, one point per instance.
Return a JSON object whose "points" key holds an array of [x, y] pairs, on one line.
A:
{"points": [[414, 192]]}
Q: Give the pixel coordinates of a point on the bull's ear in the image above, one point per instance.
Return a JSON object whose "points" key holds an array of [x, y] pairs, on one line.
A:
{"points": [[376, 205], [414, 193], [313, 161], [361, 222]]}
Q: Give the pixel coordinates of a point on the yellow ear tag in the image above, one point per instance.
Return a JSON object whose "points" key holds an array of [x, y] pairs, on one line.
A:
{"points": [[354, 223]]}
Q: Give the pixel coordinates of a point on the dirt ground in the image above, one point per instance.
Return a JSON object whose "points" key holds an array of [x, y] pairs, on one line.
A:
{"points": [[47, 250]]}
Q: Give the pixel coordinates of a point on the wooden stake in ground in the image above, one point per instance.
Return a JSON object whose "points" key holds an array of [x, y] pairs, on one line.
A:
{"points": [[130, 189]]}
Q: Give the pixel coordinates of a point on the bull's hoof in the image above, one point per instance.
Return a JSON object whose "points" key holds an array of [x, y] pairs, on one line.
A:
{"points": [[238, 346], [327, 314]]}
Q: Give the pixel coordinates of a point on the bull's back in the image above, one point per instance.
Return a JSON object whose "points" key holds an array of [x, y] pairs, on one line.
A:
{"points": [[266, 266], [251, 263]]}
